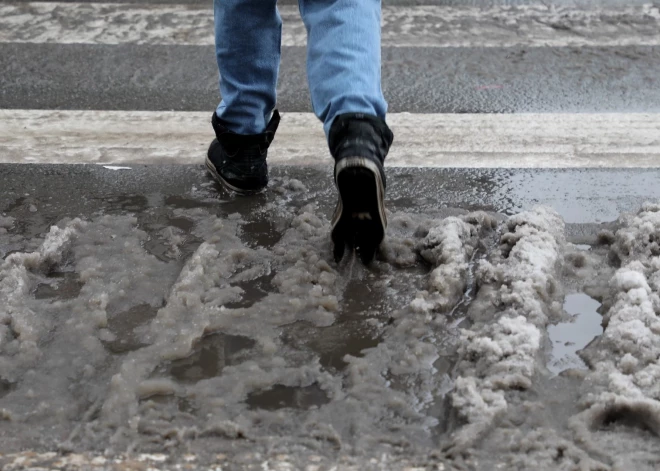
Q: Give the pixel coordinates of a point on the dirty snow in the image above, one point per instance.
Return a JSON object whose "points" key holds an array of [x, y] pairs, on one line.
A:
{"points": [[518, 295], [625, 376], [235, 332]]}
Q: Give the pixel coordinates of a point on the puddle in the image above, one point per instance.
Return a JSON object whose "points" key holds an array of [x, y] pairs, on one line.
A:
{"points": [[362, 300], [209, 358], [6, 387], [261, 233], [253, 291], [30, 219], [182, 223], [353, 332], [16, 204], [122, 326], [132, 203], [332, 343], [64, 286], [181, 202], [569, 337], [283, 397], [172, 241], [353, 344], [398, 204]]}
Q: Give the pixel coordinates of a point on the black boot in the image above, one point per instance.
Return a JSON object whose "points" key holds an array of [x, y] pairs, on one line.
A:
{"points": [[359, 144], [238, 161]]}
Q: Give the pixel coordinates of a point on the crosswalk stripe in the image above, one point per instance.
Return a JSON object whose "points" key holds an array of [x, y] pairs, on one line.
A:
{"points": [[420, 26], [421, 140]]}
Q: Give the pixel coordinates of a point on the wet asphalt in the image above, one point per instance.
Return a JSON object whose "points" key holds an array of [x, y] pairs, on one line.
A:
{"points": [[588, 200], [416, 80]]}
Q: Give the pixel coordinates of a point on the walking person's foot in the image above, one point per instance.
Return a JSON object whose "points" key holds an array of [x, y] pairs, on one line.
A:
{"points": [[359, 144], [238, 161]]}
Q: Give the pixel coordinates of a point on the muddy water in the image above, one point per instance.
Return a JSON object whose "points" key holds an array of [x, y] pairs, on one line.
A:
{"points": [[212, 325], [569, 337]]}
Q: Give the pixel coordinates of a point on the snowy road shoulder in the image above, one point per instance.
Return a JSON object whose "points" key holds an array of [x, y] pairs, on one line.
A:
{"points": [[420, 26]]}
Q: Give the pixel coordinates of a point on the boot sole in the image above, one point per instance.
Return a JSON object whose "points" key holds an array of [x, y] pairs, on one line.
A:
{"points": [[359, 220], [216, 176]]}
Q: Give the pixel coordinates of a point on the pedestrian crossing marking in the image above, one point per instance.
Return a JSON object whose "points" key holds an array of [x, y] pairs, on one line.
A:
{"points": [[607, 140]]}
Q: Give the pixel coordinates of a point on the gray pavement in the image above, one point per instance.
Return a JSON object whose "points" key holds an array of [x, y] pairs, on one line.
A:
{"points": [[417, 80], [588, 200], [581, 196]]}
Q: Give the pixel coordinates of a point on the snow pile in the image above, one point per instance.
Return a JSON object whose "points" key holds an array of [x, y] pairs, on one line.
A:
{"points": [[403, 232], [308, 282], [625, 376], [6, 223], [448, 247], [21, 328], [518, 294], [541, 448], [117, 272]]}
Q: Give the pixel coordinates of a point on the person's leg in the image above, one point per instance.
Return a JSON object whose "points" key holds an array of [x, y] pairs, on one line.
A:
{"points": [[343, 70], [247, 44], [247, 38], [343, 57]]}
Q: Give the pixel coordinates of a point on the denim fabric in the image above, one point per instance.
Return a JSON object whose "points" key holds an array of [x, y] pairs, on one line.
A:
{"points": [[343, 59]]}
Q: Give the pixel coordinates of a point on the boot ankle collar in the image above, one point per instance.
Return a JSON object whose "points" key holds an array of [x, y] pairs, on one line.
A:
{"points": [[233, 140], [349, 128]]}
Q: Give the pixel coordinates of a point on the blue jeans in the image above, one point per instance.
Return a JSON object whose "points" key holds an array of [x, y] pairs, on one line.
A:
{"points": [[343, 59]]}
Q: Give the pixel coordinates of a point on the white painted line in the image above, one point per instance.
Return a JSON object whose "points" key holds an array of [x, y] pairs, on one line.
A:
{"points": [[421, 140], [421, 26]]}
